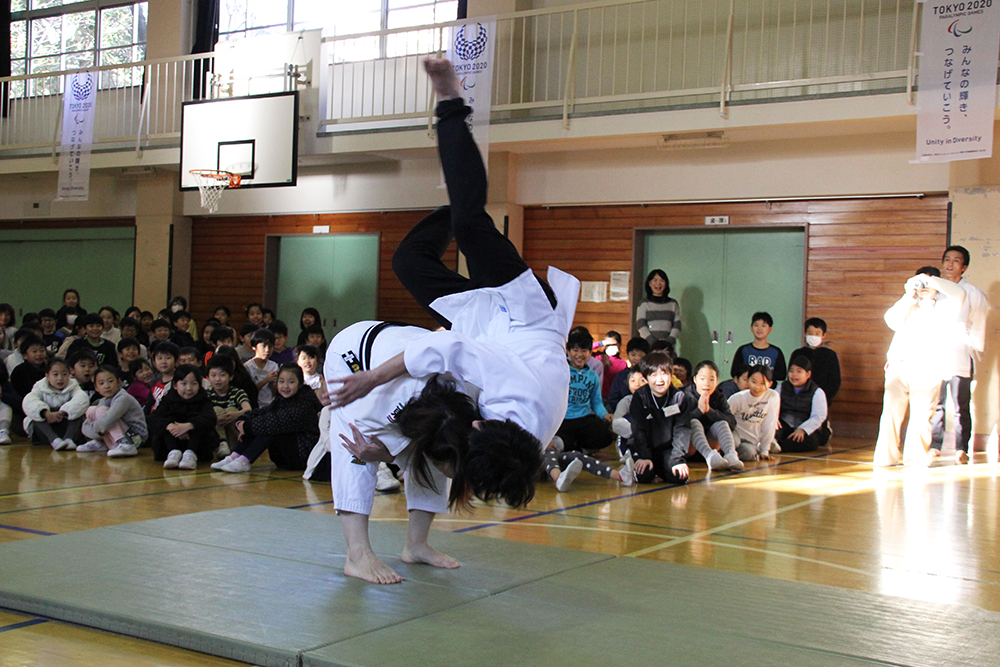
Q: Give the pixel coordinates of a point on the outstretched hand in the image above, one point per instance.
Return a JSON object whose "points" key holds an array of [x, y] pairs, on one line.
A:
{"points": [[368, 450], [351, 388]]}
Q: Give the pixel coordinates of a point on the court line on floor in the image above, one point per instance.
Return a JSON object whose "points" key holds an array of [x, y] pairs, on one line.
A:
{"points": [[23, 624], [26, 530], [659, 489]]}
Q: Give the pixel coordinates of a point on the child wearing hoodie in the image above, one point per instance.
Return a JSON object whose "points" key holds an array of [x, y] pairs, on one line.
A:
{"points": [[54, 408]]}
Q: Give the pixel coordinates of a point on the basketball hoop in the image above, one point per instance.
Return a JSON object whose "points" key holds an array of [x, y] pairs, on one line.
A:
{"points": [[211, 183]]}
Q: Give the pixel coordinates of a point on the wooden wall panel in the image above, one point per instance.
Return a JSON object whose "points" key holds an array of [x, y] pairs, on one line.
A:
{"points": [[860, 252], [228, 256]]}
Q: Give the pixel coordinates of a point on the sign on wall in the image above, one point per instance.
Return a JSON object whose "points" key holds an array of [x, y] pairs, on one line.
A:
{"points": [[79, 100], [958, 74]]}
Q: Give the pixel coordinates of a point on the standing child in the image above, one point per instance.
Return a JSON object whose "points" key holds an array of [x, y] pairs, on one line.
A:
{"points": [[710, 415], [54, 408], [116, 424], [660, 427], [230, 403], [585, 427], [826, 365], [756, 410], [760, 351], [287, 428], [182, 430], [263, 371], [802, 426]]}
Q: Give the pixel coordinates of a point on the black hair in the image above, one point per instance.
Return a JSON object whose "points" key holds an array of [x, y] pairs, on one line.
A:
{"points": [[959, 249], [312, 311], [210, 322], [262, 336], [802, 362], [763, 370], [656, 361], [503, 462], [190, 351], [129, 322], [763, 316], [90, 318], [739, 368], [78, 301], [104, 368], [264, 312], [220, 333], [28, 342], [929, 271], [637, 343], [31, 320], [309, 350], [57, 361], [223, 361], [178, 315], [662, 345], [278, 328], [649, 291], [135, 366], [224, 309], [312, 329], [685, 364], [128, 342], [144, 314], [114, 313], [248, 328], [164, 347], [296, 370], [707, 363], [133, 309], [183, 371], [79, 355], [580, 339], [46, 312], [634, 369], [617, 336], [178, 299], [160, 324], [9, 309], [259, 306], [23, 332], [815, 322]]}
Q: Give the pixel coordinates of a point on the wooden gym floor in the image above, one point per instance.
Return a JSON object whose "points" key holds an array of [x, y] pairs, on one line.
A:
{"points": [[825, 518]]}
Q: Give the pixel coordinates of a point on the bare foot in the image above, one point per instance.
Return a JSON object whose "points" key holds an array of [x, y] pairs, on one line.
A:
{"points": [[428, 555], [370, 567], [443, 78]]}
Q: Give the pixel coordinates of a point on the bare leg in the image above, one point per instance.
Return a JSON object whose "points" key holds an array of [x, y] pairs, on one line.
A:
{"points": [[443, 79], [417, 550], [362, 562]]}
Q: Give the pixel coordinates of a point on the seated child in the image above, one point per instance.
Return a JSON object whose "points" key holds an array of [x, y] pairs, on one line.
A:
{"points": [[111, 332], [9, 399], [620, 424], [94, 341], [307, 357], [287, 428], [140, 383], [585, 427], [245, 349], [241, 376], [709, 413], [682, 373], [610, 359], [160, 331], [32, 369], [116, 424], [165, 356], [54, 408], [739, 382], [189, 355], [636, 349], [802, 420], [263, 371], [756, 411], [660, 427], [564, 467], [760, 351], [182, 429], [826, 365], [130, 329], [82, 367], [281, 354], [204, 343], [220, 336], [129, 350], [78, 331], [52, 338], [315, 336], [180, 320], [15, 358], [230, 402]]}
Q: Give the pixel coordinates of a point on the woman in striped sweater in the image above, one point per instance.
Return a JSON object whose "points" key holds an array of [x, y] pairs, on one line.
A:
{"points": [[658, 316]]}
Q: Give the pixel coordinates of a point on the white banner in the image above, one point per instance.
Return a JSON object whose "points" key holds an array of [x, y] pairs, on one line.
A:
{"points": [[958, 75], [79, 101], [470, 50]]}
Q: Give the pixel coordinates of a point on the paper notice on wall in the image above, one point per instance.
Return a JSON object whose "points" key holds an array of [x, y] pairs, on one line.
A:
{"points": [[594, 291], [79, 101], [619, 285], [958, 77]]}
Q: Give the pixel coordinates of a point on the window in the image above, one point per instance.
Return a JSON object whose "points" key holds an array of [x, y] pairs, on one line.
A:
{"points": [[54, 35]]}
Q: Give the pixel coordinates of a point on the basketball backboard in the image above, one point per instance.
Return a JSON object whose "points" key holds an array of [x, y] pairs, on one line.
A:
{"points": [[254, 136]]}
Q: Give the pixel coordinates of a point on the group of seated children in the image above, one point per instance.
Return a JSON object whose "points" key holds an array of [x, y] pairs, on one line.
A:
{"points": [[664, 412], [153, 389]]}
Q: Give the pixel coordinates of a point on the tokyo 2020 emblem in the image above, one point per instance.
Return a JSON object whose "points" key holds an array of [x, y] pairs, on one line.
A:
{"points": [[467, 50]]}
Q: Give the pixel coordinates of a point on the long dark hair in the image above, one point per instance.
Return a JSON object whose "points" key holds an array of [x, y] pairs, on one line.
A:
{"points": [[438, 424], [666, 290]]}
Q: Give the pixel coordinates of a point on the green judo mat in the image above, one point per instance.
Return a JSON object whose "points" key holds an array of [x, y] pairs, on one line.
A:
{"points": [[265, 586]]}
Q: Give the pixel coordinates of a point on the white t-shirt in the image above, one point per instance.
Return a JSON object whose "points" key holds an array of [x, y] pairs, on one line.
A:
{"points": [[264, 394]]}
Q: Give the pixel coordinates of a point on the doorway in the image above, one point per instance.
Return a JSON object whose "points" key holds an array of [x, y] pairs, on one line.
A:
{"points": [[722, 277]]}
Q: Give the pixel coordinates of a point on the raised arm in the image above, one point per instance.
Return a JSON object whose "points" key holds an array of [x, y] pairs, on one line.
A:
{"points": [[356, 385]]}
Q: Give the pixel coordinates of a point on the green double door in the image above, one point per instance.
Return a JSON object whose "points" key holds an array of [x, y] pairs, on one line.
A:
{"points": [[336, 274], [722, 277]]}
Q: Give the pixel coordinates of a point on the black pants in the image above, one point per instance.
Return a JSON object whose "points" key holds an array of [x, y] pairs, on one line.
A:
{"points": [[587, 434], [68, 429], [552, 461], [283, 450], [810, 443], [491, 257], [961, 392], [202, 443], [661, 468]]}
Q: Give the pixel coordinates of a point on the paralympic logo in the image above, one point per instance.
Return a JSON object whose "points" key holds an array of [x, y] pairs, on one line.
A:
{"points": [[82, 86], [956, 31], [470, 50]]}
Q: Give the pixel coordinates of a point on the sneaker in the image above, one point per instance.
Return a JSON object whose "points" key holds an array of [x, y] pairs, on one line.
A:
{"points": [[238, 464], [59, 444], [218, 464], [173, 459], [775, 447], [568, 475], [92, 446], [716, 462], [189, 461], [385, 481], [4, 436], [733, 460], [627, 472], [961, 457], [223, 450], [123, 451], [557, 445]]}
